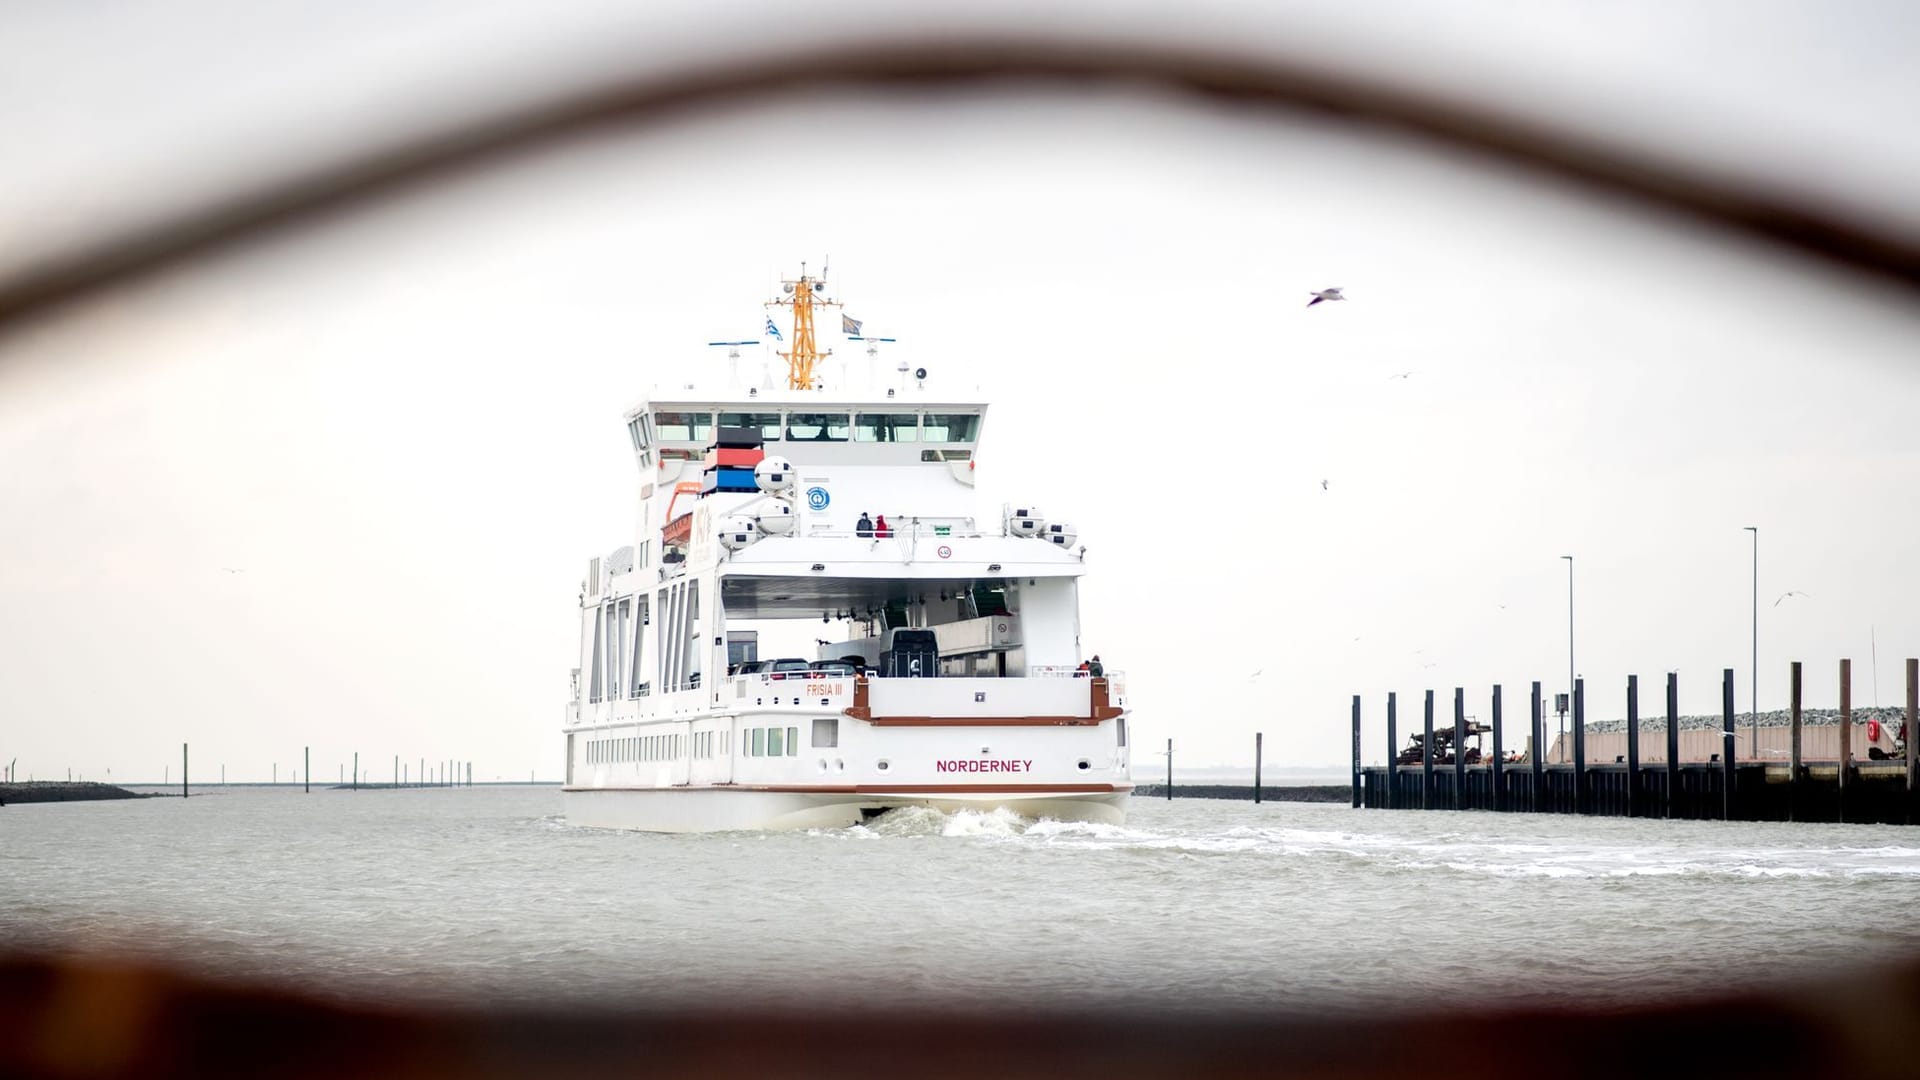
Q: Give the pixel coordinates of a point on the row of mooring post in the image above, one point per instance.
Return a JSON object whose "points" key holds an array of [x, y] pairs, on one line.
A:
{"points": [[460, 773], [1636, 789]]}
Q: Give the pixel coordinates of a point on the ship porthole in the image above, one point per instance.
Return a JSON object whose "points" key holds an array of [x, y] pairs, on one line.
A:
{"points": [[1085, 764], [883, 765], [823, 766]]}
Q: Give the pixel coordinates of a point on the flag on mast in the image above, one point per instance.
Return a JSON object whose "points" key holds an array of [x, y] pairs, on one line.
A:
{"points": [[773, 330], [849, 324]]}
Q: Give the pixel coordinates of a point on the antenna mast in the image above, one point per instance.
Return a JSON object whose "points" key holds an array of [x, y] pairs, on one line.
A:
{"points": [[803, 294]]}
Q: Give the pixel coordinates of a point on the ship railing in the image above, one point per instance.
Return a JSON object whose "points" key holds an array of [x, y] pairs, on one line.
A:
{"points": [[795, 681], [909, 532], [1067, 671]]}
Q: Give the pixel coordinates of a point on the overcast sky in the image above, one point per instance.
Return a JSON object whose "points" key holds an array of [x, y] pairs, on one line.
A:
{"points": [[403, 428]]}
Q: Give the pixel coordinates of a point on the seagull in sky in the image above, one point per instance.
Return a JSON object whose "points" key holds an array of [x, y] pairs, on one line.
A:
{"points": [[1323, 485], [234, 570], [1402, 375], [1325, 294], [1256, 674], [1789, 592]]}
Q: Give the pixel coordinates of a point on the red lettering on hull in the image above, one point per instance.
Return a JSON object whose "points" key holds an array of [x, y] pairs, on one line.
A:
{"points": [[984, 765]]}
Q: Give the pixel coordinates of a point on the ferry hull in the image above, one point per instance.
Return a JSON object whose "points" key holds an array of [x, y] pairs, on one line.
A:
{"points": [[718, 809]]}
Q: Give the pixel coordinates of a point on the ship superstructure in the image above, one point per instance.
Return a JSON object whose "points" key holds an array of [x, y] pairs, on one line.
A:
{"points": [[816, 622]]}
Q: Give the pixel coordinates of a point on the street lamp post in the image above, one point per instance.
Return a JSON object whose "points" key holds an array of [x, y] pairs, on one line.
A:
{"points": [[1753, 676], [1569, 559]]}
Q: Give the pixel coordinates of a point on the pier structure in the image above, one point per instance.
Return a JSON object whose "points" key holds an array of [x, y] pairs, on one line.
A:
{"points": [[1828, 772]]}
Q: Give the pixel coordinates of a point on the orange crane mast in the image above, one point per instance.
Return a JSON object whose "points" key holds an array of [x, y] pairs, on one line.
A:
{"points": [[803, 294]]}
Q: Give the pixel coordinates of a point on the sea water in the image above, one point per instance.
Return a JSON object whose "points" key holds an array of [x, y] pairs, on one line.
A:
{"points": [[487, 895]]}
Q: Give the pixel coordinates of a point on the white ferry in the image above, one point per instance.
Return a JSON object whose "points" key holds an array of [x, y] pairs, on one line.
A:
{"points": [[915, 655]]}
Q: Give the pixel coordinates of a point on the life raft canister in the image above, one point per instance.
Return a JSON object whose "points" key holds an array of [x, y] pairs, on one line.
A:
{"points": [[1873, 731]]}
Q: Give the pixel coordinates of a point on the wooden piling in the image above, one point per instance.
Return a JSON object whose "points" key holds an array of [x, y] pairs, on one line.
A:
{"points": [[1426, 760], [1846, 731], [1726, 744], [1356, 751], [1169, 770], [1913, 732], [1579, 746], [183, 770], [1393, 751], [356, 770], [1499, 755], [307, 756], [1256, 768], [1539, 755], [1459, 748], [1794, 765], [1633, 743], [1673, 741]]}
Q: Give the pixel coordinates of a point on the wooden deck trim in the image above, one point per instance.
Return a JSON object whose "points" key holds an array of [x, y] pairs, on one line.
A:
{"points": [[1099, 710], [982, 721], [884, 789]]}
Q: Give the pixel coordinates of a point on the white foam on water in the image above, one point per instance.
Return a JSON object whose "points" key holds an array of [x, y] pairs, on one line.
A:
{"points": [[998, 822], [1052, 829]]}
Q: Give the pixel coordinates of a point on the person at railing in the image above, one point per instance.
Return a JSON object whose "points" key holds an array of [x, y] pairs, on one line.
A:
{"points": [[864, 527], [1083, 671], [1095, 668], [880, 527]]}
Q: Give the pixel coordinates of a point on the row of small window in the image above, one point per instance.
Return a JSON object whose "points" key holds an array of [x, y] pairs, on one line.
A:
{"points": [[757, 742], [785, 742], [811, 427], [705, 744], [634, 748]]}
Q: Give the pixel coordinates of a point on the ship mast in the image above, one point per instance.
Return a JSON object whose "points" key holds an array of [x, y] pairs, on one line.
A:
{"points": [[803, 294]]}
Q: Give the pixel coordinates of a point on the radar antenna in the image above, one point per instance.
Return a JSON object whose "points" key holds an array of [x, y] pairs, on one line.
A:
{"points": [[733, 356], [803, 294]]}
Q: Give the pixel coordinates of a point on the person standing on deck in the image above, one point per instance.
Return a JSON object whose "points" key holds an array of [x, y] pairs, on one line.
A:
{"points": [[1095, 668], [881, 528], [864, 527]]}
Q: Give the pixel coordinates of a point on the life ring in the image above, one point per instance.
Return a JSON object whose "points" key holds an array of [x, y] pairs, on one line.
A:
{"points": [[1873, 731]]}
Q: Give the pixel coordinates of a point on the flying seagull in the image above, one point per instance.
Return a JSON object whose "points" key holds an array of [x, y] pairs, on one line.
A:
{"points": [[1789, 592], [1323, 485], [1325, 294], [234, 570], [1402, 375]]}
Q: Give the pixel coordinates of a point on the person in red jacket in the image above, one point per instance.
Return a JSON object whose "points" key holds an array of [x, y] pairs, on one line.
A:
{"points": [[880, 526]]}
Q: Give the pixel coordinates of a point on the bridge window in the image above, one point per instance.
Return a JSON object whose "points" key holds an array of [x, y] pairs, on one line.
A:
{"points": [[773, 743], [826, 731], [886, 427], [759, 743], [952, 427], [793, 742], [767, 423], [817, 427], [683, 426]]}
